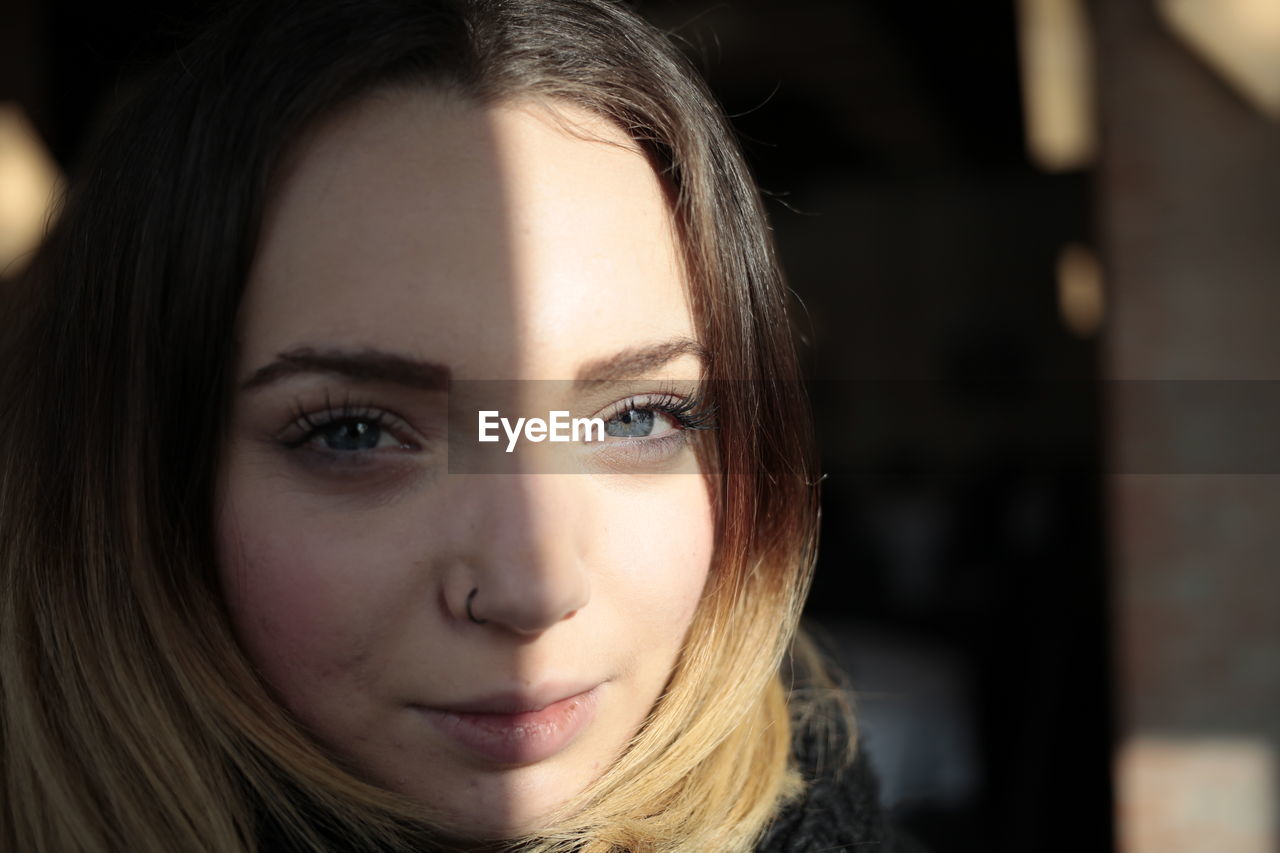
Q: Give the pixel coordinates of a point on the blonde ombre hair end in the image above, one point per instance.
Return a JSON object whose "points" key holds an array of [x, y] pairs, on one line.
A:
{"points": [[129, 717]]}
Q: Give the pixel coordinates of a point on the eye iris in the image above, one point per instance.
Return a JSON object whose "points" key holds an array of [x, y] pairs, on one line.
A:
{"points": [[634, 423], [352, 435]]}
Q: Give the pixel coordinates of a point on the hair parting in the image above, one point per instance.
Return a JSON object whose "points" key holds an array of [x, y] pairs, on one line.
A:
{"points": [[129, 717]]}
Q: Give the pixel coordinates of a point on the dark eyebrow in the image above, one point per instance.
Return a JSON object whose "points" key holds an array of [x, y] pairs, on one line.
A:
{"points": [[365, 365], [632, 363]]}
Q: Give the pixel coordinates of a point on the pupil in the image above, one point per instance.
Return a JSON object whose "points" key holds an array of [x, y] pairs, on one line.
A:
{"points": [[635, 423], [353, 435]]}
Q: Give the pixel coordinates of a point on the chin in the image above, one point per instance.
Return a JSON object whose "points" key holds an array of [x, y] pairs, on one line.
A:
{"points": [[485, 828], [500, 805]]}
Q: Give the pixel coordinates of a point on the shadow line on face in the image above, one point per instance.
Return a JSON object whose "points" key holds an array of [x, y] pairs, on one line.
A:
{"points": [[453, 243]]}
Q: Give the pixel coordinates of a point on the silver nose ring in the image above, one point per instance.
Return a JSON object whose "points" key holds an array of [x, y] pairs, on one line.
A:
{"points": [[471, 615]]}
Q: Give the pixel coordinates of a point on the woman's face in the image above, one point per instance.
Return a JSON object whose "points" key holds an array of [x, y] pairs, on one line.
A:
{"points": [[417, 247]]}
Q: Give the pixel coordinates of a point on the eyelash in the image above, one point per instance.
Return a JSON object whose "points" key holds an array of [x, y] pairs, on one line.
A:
{"points": [[311, 424], [688, 412]]}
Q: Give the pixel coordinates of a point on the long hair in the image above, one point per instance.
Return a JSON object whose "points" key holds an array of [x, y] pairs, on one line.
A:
{"points": [[129, 717]]}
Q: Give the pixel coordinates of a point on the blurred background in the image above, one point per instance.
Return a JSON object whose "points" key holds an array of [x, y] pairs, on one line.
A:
{"points": [[1035, 249]]}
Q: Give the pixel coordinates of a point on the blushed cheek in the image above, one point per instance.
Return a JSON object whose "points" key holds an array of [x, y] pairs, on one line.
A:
{"points": [[294, 624]]}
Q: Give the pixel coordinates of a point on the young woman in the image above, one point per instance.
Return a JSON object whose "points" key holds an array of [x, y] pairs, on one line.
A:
{"points": [[263, 587]]}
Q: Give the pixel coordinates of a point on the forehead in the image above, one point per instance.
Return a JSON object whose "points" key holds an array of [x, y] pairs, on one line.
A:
{"points": [[506, 241]]}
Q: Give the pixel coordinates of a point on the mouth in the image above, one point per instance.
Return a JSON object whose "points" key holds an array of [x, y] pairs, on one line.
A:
{"points": [[516, 729]]}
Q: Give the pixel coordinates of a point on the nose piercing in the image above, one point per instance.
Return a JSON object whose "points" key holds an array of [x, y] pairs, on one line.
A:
{"points": [[471, 615]]}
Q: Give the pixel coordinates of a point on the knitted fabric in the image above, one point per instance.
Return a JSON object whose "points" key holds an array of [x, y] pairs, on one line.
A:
{"points": [[839, 811]]}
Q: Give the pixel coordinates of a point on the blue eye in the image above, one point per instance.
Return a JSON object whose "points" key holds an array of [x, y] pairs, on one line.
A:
{"points": [[652, 416], [633, 423], [347, 431], [350, 435], [648, 431]]}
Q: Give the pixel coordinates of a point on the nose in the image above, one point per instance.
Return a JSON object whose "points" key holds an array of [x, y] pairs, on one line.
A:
{"points": [[519, 562]]}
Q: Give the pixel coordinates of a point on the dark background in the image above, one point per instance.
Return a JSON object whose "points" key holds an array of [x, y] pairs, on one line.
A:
{"points": [[962, 564], [961, 577]]}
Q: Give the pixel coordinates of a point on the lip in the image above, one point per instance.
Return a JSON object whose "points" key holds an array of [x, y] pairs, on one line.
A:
{"points": [[514, 729]]}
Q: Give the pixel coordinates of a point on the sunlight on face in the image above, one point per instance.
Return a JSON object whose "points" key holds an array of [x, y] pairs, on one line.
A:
{"points": [[415, 244]]}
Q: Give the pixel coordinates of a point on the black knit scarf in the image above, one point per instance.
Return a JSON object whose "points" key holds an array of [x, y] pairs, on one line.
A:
{"points": [[840, 810]]}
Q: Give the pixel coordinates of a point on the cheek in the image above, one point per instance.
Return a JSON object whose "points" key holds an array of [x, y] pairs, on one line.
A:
{"points": [[278, 599], [660, 541], [306, 599]]}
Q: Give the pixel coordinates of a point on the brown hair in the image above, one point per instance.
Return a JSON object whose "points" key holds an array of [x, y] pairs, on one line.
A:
{"points": [[129, 718]]}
